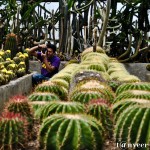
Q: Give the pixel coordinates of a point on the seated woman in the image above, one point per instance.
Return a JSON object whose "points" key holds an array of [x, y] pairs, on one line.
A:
{"points": [[50, 62]]}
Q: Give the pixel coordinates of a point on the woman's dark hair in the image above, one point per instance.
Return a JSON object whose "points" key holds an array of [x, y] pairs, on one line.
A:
{"points": [[53, 47]]}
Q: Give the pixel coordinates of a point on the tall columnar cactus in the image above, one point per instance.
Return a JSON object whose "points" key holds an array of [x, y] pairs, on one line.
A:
{"points": [[43, 96], [133, 86], [60, 107], [100, 109], [13, 131], [120, 106], [11, 44], [71, 132], [19, 104], [139, 94], [133, 126], [49, 86]]}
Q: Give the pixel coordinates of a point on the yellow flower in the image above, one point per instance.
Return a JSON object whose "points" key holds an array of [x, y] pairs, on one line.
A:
{"points": [[8, 51]]}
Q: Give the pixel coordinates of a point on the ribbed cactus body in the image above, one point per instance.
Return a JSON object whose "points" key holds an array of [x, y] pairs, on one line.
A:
{"points": [[65, 76], [90, 50], [133, 86], [121, 106], [19, 104], [43, 96], [61, 82], [139, 94], [49, 86], [61, 107], [93, 86], [133, 125], [84, 96], [96, 66], [100, 110], [71, 132], [13, 132], [11, 44]]}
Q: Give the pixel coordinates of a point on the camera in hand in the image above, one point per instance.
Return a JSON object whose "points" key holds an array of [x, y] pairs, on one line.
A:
{"points": [[44, 50]]}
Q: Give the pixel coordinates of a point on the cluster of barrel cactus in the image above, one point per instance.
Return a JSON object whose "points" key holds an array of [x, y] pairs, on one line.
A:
{"points": [[81, 112], [10, 68], [131, 111]]}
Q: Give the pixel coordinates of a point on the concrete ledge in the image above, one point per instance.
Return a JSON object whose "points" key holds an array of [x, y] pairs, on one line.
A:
{"points": [[139, 70], [22, 85]]}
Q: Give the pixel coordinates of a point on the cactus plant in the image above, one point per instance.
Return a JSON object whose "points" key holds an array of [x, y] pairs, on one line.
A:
{"points": [[140, 94], [100, 109], [11, 43], [120, 106], [64, 76], [13, 131], [43, 96], [60, 107], [49, 86], [132, 126], [19, 104], [133, 86], [21, 72], [95, 85], [90, 49], [84, 96], [97, 67], [61, 82], [71, 132]]}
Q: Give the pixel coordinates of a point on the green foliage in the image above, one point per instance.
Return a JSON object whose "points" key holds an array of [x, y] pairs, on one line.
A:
{"points": [[71, 132]]}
